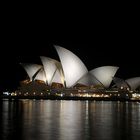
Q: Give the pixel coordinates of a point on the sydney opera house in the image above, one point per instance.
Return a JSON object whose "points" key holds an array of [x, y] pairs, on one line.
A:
{"points": [[69, 77]]}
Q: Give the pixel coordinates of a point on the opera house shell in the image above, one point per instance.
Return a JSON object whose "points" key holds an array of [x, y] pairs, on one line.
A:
{"points": [[131, 83], [69, 75], [69, 71]]}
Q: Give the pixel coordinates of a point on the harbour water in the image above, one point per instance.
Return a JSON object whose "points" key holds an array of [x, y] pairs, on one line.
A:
{"points": [[69, 120]]}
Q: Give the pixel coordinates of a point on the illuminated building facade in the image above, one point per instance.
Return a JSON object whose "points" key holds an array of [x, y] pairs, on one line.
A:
{"points": [[70, 77]]}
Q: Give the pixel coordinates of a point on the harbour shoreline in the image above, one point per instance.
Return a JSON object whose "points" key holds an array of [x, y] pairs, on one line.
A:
{"points": [[68, 98]]}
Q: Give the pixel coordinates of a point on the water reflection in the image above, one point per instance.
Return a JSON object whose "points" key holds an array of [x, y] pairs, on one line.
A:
{"points": [[69, 120]]}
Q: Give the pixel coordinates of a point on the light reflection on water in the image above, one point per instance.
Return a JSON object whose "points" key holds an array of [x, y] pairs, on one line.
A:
{"points": [[69, 120]]}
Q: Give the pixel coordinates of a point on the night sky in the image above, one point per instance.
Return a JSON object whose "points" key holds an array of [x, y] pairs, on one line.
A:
{"points": [[98, 41]]}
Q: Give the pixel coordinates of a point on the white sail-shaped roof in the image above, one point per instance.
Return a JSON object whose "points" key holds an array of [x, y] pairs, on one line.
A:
{"points": [[120, 82], [73, 67], [57, 77], [133, 82], [105, 74], [59, 74], [31, 69], [41, 75], [89, 80], [50, 67]]}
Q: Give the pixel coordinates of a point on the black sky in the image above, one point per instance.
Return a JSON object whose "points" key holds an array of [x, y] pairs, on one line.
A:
{"points": [[98, 39]]}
